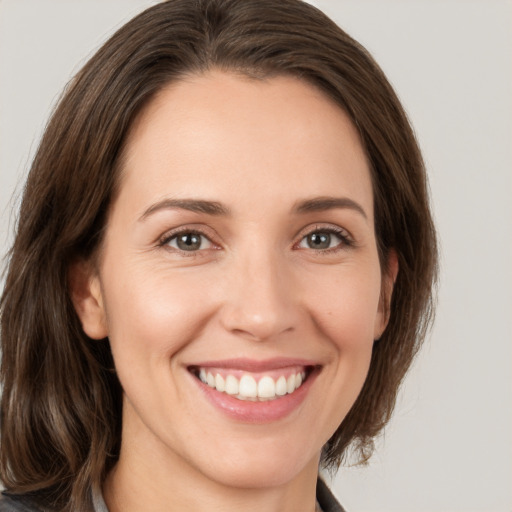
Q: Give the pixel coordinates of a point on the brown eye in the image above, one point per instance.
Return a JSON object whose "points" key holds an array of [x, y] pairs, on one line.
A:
{"points": [[189, 241]]}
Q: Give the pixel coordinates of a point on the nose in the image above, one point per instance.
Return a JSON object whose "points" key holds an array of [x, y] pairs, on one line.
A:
{"points": [[260, 300]]}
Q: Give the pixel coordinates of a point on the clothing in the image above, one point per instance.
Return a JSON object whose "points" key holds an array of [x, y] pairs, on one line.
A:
{"points": [[13, 503], [325, 498], [10, 503]]}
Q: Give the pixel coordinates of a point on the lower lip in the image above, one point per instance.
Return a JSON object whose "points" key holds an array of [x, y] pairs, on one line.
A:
{"points": [[257, 412]]}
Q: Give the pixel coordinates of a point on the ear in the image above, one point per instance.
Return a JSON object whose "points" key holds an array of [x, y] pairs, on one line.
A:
{"points": [[87, 298], [389, 275]]}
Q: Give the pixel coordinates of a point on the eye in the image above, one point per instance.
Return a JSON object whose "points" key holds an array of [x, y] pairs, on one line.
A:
{"points": [[188, 241], [324, 239]]}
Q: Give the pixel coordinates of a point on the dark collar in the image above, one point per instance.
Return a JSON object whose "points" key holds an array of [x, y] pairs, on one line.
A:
{"points": [[326, 499]]}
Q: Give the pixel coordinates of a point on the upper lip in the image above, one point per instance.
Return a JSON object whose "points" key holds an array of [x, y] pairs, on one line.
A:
{"points": [[254, 365]]}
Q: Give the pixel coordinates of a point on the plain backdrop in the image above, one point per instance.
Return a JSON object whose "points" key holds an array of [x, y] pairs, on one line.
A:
{"points": [[449, 445]]}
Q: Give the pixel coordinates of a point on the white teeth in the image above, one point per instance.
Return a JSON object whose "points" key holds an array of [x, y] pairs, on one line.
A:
{"points": [[220, 384], [247, 388], [281, 386], [266, 387], [290, 384], [231, 385]]}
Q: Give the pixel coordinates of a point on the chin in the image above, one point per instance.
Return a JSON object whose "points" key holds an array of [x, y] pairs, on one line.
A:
{"points": [[261, 464]]}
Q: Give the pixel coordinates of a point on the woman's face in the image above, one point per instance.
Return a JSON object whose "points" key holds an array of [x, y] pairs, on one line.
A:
{"points": [[239, 259]]}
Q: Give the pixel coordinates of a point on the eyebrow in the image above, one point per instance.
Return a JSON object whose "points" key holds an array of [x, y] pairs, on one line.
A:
{"points": [[316, 204], [193, 205], [321, 204]]}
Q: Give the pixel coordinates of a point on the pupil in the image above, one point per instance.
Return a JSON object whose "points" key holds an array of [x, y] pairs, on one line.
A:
{"points": [[319, 240], [189, 242]]}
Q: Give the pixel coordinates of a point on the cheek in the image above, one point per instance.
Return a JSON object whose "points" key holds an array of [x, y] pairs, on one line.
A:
{"points": [[345, 307], [152, 314]]}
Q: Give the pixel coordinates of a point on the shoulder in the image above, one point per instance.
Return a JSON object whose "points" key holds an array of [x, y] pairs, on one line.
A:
{"points": [[11, 503]]}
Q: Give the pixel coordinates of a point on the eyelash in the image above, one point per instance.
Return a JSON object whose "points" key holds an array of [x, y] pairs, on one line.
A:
{"points": [[168, 237], [346, 241]]}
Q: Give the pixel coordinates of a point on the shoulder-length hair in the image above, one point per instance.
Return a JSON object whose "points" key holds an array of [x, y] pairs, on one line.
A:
{"points": [[60, 409]]}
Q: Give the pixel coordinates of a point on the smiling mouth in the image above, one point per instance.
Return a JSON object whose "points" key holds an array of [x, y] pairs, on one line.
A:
{"points": [[255, 387]]}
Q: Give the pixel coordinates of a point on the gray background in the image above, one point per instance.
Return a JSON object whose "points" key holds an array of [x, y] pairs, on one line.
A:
{"points": [[449, 445]]}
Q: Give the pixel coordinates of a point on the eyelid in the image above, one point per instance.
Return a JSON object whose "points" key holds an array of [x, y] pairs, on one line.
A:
{"points": [[323, 226]]}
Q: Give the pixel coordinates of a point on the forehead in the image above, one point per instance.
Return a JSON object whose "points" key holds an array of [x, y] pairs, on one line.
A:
{"points": [[221, 133]]}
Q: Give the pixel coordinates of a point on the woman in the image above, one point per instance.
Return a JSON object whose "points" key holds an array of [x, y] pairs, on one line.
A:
{"points": [[222, 270]]}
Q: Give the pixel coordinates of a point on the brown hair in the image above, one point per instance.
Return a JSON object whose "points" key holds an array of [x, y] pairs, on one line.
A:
{"points": [[61, 418]]}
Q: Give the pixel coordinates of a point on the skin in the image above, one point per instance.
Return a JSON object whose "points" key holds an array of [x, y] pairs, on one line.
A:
{"points": [[255, 289]]}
